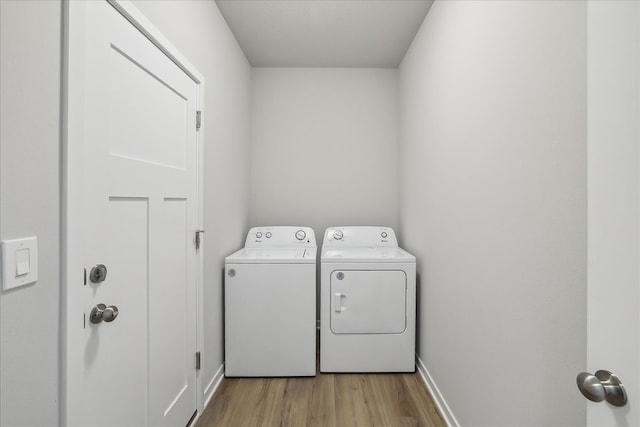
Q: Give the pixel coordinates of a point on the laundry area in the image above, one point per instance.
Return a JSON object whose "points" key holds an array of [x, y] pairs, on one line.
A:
{"points": [[435, 204]]}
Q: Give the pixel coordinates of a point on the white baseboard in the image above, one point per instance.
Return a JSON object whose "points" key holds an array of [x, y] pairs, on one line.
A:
{"points": [[213, 385], [438, 398]]}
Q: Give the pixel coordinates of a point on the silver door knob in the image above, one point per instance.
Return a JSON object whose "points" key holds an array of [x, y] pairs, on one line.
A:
{"points": [[102, 313], [604, 385]]}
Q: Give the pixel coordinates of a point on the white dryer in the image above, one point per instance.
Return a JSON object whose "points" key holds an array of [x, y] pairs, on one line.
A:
{"points": [[367, 302], [270, 304]]}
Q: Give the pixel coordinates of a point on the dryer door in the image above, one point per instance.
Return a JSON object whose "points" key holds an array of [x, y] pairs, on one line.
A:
{"points": [[368, 302]]}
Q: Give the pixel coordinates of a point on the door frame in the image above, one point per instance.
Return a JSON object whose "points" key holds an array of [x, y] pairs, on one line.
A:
{"points": [[613, 289], [72, 387]]}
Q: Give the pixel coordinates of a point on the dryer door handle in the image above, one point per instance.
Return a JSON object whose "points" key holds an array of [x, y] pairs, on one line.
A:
{"points": [[337, 302]]}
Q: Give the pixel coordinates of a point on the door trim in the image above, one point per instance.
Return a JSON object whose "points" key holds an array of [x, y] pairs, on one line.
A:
{"points": [[72, 391]]}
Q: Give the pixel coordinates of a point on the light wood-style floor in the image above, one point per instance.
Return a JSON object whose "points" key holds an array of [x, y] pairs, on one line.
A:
{"points": [[326, 400]]}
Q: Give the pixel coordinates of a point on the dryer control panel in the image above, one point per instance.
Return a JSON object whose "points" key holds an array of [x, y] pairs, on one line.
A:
{"points": [[359, 236], [280, 236]]}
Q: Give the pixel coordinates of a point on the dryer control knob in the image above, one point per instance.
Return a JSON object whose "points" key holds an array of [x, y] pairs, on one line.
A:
{"points": [[338, 234], [300, 234], [258, 234], [383, 234], [268, 234]]}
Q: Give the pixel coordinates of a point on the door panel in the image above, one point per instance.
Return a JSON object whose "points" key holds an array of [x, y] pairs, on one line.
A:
{"points": [[134, 89], [113, 352], [368, 302], [170, 327], [140, 180]]}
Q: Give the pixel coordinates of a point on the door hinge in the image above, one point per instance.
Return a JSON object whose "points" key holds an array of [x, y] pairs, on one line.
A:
{"points": [[198, 232], [197, 360], [198, 119], [85, 277]]}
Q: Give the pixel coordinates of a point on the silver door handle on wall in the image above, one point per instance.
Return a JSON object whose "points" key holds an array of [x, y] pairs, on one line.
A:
{"points": [[604, 385]]}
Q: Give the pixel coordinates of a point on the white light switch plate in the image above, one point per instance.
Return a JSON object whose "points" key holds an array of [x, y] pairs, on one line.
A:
{"points": [[19, 262]]}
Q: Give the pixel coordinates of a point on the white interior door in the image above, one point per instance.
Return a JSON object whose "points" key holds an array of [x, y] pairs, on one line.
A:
{"points": [[138, 215], [614, 204]]}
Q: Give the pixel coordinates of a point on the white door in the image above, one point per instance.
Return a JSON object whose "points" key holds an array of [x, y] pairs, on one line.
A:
{"points": [[137, 216], [613, 337], [368, 302]]}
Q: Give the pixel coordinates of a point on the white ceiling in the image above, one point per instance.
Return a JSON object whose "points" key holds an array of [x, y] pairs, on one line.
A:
{"points": [[324, 33]]}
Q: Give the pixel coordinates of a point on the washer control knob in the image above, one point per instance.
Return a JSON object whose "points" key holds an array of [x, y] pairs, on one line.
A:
{"points": [[338, 234], [383, 234], [268, 234], [300, 234], [259, 234]]}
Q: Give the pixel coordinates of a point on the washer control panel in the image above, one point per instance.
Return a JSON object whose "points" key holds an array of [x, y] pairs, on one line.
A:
{"points": [[280, 236], [360, 236]]}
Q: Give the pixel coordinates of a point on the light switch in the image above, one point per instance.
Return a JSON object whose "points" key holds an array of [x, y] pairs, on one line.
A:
{"points": [[19, 262], [22, 262]]}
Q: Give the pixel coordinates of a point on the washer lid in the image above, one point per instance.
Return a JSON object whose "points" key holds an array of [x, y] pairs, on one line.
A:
{"points": [[273, 256], [367, 254]]}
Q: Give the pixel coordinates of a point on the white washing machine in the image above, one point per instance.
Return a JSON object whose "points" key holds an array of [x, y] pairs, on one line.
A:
{"points": [[367, 302], [270, 304]]}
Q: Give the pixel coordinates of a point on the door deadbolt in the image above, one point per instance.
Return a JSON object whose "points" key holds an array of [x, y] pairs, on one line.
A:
{"points": [[102, 313], [98, 273]]}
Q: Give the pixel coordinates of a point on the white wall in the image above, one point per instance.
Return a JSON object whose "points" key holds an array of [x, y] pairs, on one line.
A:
{"points": [[324, 147], [30, 46], [493, 161], [201, 34]]}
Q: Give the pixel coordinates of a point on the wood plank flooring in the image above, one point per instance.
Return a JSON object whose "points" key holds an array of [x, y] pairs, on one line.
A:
{"points": [[325, 400]]}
